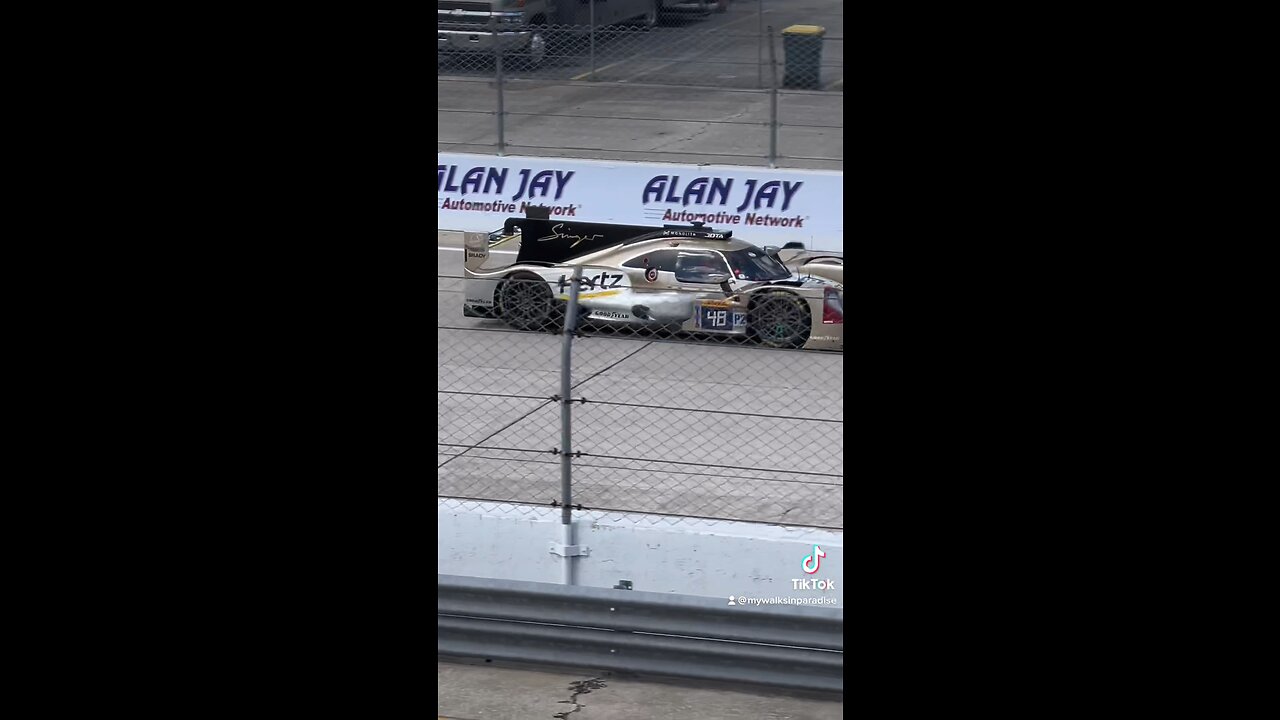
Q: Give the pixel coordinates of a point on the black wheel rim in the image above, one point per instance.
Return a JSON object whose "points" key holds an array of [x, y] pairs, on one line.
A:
{"points": [[779, 321], [525, 302]]}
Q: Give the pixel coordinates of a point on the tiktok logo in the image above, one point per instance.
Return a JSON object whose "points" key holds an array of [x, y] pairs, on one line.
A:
{"points": [[813, 560]]}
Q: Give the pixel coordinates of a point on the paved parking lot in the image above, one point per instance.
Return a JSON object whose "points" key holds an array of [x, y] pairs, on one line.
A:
{"points": [[721, 50], [693, 92]]}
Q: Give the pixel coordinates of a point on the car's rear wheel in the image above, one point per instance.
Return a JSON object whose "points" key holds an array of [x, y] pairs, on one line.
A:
{"points": [[779, 320], [524, 300]]}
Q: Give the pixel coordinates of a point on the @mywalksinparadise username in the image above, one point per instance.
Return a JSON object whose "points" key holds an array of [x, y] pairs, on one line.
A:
{"points": [[744, 600], [810, 564]]}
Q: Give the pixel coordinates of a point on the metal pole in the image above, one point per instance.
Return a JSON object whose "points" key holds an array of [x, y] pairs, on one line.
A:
{"points": [[502, 119], [592, 11], [566, 467], [760, 47], [773, 105]]}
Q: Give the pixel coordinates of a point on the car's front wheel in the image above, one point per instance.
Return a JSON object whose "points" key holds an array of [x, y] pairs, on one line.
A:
{"points": [[524, 301], [779, 319]]}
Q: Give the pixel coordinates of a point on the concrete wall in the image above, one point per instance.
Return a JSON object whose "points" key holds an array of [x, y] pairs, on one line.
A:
{"points": [[656, 553]]}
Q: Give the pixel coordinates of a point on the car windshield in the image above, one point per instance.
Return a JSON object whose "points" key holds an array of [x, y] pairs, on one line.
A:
{"points": [[749, 264]]}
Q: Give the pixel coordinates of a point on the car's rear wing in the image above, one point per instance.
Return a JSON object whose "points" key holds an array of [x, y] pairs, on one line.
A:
{"points": [[543, 239], [558, 241]]}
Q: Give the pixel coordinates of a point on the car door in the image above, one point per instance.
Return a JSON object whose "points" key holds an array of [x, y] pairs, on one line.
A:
{"points": [[706, 273], [653, 270], [700, 270]]}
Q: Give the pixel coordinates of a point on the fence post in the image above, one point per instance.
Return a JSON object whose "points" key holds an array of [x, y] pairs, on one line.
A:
{"points": [[760, 46], [773, 105], [502, 120], [566, 466], [592, 40]]}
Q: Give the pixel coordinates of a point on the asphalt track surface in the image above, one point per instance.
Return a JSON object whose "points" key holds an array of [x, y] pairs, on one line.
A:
{"points": [[674, 427]]}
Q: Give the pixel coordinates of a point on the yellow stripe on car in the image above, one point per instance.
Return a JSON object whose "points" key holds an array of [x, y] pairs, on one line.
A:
{"points": [[604, 293]]}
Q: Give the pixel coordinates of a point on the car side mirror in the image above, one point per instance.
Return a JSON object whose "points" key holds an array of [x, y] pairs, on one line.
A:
{"points": [[771, 250]]}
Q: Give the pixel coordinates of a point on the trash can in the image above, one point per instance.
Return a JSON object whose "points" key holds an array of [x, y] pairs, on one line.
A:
{"points": [[803, 47]]}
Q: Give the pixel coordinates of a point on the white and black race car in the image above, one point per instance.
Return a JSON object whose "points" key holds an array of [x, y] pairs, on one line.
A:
{"points": [[689, 278]]}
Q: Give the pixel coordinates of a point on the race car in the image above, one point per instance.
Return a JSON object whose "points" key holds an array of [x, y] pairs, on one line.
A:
{"points": [[685, 278]]}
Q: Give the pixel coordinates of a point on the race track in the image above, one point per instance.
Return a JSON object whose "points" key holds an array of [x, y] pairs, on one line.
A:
{"points": [[682, 428]]}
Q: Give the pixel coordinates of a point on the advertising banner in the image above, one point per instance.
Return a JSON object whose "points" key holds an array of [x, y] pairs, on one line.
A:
{"points": [[761, 206]]}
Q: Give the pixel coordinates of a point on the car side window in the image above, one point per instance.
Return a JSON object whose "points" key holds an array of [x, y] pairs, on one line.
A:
{"points": [[664, 260], [697, 267]]}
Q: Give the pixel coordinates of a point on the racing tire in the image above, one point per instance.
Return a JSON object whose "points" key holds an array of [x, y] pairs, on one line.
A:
{"points": [[780, 320], [524, 301]]}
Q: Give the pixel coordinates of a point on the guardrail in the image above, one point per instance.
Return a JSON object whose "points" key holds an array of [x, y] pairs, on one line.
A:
{"points": [[652, 634]]}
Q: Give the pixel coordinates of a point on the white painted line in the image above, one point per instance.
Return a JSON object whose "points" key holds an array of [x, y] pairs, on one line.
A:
{"points": [[599, 69]]}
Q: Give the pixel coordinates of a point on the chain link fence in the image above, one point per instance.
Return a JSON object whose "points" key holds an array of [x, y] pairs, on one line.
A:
{"points": [[761, 83], [692, 426]]}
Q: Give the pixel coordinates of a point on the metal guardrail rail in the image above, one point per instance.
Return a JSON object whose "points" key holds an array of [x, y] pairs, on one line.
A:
{"points": [[652, 634]]}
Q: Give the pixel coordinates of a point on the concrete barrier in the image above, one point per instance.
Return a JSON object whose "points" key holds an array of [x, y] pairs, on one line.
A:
{"points": [[653, 553]]}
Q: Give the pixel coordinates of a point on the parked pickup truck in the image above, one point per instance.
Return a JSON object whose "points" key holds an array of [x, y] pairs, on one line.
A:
{"points": [[520, 27]]}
